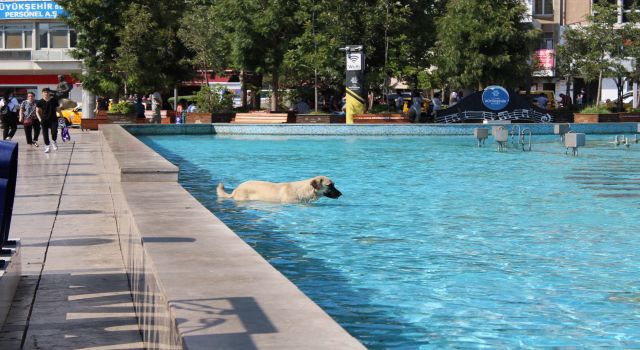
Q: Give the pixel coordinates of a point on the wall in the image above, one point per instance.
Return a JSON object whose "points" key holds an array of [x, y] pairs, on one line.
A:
{"points": [[195, 283]]}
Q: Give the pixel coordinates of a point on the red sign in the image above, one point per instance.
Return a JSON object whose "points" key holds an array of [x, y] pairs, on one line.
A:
{"points": [[546, 62]]}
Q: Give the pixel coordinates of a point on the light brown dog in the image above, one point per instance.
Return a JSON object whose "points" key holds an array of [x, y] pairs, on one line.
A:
{"points": [[285, 192]]}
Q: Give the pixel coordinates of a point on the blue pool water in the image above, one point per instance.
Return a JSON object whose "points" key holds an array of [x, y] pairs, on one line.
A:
{"points": [[436, 243]]}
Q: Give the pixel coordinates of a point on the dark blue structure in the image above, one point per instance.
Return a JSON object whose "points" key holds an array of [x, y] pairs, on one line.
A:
{"points": [[474, 109], [8, 176]]}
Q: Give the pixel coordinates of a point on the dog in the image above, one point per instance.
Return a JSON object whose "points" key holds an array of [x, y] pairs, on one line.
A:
{"points": [[304, 191]]}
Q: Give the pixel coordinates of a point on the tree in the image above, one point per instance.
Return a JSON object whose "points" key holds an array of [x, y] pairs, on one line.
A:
{"points": [[203, 35], [124, 43], [150, 55], [260, 33], [97, 30], [598, 48], [567, 54], [397, 37], [481, 42]]}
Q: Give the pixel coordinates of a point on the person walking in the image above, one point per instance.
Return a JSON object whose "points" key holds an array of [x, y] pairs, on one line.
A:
{"points": [[46, 112], [437, 104], [29, 119], [9, 115], [156, 107], [140, 109], [416, 105], [399, 102]]}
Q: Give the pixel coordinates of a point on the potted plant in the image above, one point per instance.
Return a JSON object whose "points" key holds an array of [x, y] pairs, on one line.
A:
{"points": [[122, 113], [595, 114], [630, 115], [215, 105]]}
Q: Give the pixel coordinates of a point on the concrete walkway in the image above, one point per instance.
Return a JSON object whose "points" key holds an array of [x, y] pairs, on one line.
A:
{"points": [[74, 292]]}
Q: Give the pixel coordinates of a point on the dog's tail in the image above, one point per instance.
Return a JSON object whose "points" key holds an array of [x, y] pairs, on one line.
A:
{"points": [[221, 193]]}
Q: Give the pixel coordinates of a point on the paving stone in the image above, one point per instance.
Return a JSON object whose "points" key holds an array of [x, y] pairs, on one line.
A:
{"points": [[83, 300]]}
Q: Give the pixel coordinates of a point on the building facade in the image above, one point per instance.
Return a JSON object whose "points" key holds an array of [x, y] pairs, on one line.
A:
{"points": [[34, 48], [552, 17]]}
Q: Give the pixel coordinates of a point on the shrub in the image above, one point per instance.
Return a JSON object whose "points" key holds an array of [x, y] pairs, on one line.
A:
{"points": [[381, 108], [214, 99], [601, 109], [122, 107]]}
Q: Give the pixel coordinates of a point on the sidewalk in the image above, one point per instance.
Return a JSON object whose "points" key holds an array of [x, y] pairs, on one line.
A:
{"points": [[74, 292]]}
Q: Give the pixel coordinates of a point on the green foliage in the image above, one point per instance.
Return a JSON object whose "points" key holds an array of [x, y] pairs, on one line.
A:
{"points": [[150, 56], [97, 28], [124, 43], [214, 99], [599, 109], [601, 48], [122, 107], [380, 109], [482, 42], [202, 34]]}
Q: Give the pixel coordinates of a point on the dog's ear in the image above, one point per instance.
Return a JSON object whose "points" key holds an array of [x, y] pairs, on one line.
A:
{"points": [[316, 183]]}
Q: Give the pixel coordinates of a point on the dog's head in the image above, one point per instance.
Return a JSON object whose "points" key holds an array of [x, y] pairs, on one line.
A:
{"points": [[323, 186]]}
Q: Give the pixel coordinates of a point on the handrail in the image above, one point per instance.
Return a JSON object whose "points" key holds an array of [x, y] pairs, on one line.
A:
{"points": [[522, 133]]}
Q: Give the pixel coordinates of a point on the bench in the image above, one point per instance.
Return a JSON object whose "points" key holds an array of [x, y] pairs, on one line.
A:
{"points": [[391, 118], [264, 118]]}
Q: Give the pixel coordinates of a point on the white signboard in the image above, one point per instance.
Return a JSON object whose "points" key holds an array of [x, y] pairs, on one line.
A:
{"points": [[354, 61]]}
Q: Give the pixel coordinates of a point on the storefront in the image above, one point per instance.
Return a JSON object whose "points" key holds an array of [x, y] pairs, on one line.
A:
{"points": [[34, 48]]}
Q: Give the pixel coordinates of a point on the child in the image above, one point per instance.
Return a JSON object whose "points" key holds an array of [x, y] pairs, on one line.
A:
{"points": [[63, 124]]}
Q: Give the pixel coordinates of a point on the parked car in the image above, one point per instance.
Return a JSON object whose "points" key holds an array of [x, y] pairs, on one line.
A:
{"points": [[73, 115]]}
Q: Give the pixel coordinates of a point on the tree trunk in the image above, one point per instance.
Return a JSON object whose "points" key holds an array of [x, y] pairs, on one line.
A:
{"points": [[599, 89], [257, 94], [620, 86], [243, 89], [275, 94]]}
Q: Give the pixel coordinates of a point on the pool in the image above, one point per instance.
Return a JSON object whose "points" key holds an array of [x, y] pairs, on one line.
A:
{"points": [[436, 243]]}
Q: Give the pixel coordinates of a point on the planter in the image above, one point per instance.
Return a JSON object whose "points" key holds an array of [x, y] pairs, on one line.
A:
{"points": [[92, 124], [208, 118], [222, 117], [384, 118], [562, 116], [101, 114], [121, 118], [596, 118], [633, 117], [168, 120], [320, 119]]}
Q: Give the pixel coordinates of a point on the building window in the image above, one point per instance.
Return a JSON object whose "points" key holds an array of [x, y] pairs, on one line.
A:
{"points": [[59, 35], [16, 36], [73, 38], [623, 8], [543, 7], [547, 41], [43, 35], [56, 36]]}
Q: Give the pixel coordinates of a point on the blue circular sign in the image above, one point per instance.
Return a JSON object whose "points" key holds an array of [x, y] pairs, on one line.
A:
{"points": [[495, 97]]}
